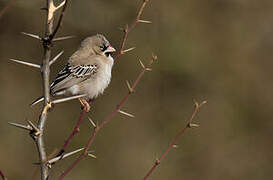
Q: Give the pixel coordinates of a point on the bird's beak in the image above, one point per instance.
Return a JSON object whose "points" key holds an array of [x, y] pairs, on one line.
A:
{"points": [[110, 49]]}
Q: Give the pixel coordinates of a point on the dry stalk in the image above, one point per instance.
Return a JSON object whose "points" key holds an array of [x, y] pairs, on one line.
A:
{"points": [[190, 124]]}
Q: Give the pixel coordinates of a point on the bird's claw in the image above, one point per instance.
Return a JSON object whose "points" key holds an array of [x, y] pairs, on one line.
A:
{"points": [[84, 105]]}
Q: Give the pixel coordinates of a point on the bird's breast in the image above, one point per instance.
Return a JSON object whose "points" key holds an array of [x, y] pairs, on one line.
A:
{"points": [[97, 83]]}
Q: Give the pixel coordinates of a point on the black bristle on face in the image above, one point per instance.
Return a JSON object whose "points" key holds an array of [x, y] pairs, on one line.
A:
{"points": [[103, 47]]}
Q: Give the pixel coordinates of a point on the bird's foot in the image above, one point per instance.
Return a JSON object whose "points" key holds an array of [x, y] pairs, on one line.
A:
{"points": [[84, 104]]}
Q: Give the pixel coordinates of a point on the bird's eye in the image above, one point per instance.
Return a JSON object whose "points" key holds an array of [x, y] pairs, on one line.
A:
{"points": [[103, 47], [107, 54]]}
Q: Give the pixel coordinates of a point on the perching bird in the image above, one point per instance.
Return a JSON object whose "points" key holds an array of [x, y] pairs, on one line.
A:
{"points": [[88, 71]]}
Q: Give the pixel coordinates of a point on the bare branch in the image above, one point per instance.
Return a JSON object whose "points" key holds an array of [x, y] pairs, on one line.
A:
{"points": [[174, 141], [55, 58], [67, 99], [45, 69], [37, 132], [26, 63], [127, 29]]}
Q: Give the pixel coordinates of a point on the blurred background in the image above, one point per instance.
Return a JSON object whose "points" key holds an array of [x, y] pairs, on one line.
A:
{"points": [[219, 51]]}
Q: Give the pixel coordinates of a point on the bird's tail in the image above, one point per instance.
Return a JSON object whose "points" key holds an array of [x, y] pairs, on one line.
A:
{"points": [[36, 101]]}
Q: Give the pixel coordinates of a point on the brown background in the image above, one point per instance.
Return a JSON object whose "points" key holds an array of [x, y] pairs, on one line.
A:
{"points": [[220, 51]]}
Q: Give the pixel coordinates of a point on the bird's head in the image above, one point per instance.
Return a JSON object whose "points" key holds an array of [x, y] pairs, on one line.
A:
{"points": [[100, 45]]}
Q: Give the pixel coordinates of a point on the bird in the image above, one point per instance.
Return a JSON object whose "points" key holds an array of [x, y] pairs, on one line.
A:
{"points": [[87, 71]]}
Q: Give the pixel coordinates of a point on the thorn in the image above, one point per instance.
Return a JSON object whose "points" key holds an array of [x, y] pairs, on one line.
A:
{"points": [[51, 161], [92, 122], [192, 125], [55, 58], [131, 90], [32, 35], [142, 65], [92, 155], [144, 21], [67, 99], [63, 38], [202, 103], [26, 63], [125, 113], [28, 127], [36, 130], [127, 50]]}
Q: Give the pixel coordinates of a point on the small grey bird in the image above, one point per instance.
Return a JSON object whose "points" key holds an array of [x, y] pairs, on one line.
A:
{"points": [[88, 71]]}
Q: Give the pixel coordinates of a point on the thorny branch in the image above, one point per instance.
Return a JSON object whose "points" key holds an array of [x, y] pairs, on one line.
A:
{"points": [[120, 53], [190, 124], [37, 132], [107, 119], [127, 29]]}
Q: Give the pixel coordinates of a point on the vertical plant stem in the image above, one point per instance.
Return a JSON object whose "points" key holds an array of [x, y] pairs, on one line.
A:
{"points": [[45, 71]]}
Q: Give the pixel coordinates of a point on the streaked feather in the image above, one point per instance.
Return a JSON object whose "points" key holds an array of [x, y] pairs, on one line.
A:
{"points": [[71, 75]]}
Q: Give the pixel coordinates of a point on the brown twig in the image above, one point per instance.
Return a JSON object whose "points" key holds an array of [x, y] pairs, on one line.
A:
{"points": [[127, 29], [107, 119], [174, 141], [45, 70], [120, 52], [2, 175]]}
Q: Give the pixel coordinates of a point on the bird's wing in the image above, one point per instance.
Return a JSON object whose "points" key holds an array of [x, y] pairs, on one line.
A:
{"points": [[71, 75]]}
